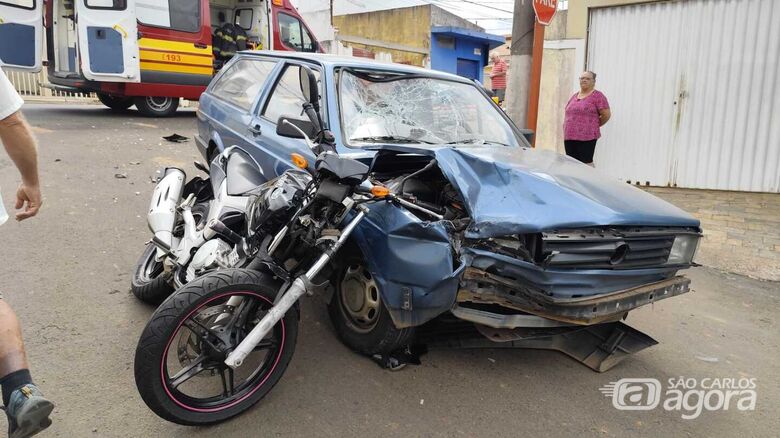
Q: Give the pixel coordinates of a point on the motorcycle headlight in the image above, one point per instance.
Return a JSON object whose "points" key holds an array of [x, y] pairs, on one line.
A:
{"points": [[683, 249]]}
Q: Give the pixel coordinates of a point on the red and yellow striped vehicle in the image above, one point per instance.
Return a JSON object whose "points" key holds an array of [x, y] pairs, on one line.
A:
{"points": [[147, 53]]}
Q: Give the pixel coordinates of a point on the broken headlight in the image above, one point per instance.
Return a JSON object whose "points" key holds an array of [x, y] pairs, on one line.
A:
{"points": [[683, 249]]}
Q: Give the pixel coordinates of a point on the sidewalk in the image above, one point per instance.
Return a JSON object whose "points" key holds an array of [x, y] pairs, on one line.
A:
{"points": [[741, 229]]}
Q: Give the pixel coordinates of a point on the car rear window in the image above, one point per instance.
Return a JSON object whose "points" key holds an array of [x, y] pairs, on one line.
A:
{"points": [[242, 82]]}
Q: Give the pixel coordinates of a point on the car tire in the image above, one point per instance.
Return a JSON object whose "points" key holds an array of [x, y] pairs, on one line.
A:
{"points": [[151, 106], [115, 103], [360, 319]]}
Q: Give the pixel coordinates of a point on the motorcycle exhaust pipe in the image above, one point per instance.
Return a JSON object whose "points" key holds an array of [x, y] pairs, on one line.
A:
{"points": [[291, 295], [165, 199]]}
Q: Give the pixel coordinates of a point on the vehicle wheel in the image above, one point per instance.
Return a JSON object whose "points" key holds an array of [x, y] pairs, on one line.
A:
{"points": [[179, 362], [361, 321], [115, 103], [151, 106], [150, 283]]}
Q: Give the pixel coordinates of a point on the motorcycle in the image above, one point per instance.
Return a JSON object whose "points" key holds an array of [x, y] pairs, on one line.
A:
{"points": [[221, 342], [194, 224]]}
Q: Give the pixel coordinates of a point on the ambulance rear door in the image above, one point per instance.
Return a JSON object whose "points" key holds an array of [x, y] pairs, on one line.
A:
{"points": [[21, 34], [108, 40]]}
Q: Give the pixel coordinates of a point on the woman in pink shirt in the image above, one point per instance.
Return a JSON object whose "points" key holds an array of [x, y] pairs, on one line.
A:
{"points": [[586, 112]]}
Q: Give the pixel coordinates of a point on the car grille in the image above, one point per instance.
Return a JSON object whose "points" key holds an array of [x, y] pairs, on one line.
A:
{"points": [[606, 248]]}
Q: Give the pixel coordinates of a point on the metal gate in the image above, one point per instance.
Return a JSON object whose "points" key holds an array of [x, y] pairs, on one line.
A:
{"points": [[694, 88]]}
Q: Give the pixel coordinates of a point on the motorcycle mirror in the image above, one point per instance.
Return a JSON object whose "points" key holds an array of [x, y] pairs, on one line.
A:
{"points": [[309, 86]]}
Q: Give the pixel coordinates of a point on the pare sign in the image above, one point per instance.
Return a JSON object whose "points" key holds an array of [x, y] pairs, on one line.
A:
{"points": [[545, 10]]}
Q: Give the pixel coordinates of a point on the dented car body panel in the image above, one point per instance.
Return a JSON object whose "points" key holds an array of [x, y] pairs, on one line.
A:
{"points": [[509, 191], [412, 262], [531, 231]]}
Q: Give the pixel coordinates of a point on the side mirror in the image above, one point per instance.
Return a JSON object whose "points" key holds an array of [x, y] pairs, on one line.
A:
{"points": [[309, 87]]}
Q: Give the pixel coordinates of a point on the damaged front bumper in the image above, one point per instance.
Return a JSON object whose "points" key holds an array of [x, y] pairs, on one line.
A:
{"points": [[478, 286], [583, 297]]}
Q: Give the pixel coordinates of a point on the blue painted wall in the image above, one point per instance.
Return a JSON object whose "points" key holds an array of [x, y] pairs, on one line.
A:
{"points": [[446, 59]]}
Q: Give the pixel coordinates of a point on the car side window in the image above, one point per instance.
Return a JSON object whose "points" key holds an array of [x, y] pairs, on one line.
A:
{"points": [[286, 98], [242, 82]]}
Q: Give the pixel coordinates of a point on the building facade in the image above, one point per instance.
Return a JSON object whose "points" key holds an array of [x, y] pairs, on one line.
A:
{"points": [[694, 87]]}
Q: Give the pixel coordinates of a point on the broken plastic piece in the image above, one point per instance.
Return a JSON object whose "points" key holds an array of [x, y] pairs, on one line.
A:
{"points": [[176, 138]]}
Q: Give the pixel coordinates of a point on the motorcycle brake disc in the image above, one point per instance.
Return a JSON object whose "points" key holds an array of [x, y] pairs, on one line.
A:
{"points": [[189, 348]]}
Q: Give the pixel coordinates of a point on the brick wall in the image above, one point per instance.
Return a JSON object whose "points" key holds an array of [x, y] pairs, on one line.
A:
{"points": [[741, 230]]}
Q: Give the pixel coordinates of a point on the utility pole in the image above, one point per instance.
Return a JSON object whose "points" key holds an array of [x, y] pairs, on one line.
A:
{"points": [[519, 80]]}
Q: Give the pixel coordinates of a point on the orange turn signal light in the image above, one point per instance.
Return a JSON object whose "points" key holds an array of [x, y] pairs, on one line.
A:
{"points": [[300, 161], [380, 191], [278, 2]]}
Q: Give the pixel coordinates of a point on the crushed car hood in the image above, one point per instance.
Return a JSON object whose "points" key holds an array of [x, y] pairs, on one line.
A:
{"points": [[520, 190]]}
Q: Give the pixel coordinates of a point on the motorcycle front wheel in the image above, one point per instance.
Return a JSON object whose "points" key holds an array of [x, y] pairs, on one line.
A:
{"points": [[179, 362]]}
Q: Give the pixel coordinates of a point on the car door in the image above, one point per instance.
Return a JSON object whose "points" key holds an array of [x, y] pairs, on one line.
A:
{"points": [[108, 40], [227, 107], [21, 34], [284, 98]]}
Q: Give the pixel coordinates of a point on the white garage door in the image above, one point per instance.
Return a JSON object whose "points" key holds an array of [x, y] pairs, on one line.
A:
{"points": [[694, 88]]}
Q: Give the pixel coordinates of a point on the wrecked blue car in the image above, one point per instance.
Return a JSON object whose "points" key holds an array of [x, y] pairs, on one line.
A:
{"points": [[527, 248]]}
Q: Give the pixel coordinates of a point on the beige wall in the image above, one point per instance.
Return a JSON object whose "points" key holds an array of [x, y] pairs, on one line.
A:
{"points": [[741, 230], [577, 20], [557, 70], [407, 27]]}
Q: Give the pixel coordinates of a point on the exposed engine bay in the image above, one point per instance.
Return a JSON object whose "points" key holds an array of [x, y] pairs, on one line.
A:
{"points": [[419, 179]]}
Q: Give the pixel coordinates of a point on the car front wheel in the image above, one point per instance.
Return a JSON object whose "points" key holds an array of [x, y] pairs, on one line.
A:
{"points": [[360, 319]]}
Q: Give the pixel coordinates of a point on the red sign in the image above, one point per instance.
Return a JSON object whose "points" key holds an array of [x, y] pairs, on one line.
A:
{"points": [[545, 10]]}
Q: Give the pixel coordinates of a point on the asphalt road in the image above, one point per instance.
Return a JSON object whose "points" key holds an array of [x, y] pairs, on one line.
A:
{"points": [[67, 274]]}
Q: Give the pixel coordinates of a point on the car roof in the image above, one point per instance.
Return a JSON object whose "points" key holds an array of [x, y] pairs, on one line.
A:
{"points": [[330, 61]]}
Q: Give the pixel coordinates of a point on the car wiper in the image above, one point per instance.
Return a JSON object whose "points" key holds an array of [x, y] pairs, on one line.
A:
{"points": [[390, 139], [476, 141]]}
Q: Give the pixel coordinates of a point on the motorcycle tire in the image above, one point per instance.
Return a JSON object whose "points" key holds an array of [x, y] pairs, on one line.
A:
{"points": [[150, 283], [363, 323], [157, 388]]}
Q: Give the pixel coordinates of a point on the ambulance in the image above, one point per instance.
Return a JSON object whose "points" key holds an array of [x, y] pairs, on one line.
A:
{"points": [[147, 53]]}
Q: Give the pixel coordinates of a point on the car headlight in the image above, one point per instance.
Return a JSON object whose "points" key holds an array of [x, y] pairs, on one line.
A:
{"points": [[683, 249]]}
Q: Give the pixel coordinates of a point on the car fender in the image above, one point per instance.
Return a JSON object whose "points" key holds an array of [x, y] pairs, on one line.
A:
{"points": [[412, 262]]}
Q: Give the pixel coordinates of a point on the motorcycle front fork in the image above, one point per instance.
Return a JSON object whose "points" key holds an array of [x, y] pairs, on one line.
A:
{"points": [[296, 290]]}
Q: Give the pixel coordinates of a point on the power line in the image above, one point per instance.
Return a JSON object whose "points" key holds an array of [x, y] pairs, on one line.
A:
{"points": [[472, 3]]}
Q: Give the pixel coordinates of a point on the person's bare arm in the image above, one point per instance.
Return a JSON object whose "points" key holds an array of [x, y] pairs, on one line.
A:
{"points": [[604, 116], [20, 145]]}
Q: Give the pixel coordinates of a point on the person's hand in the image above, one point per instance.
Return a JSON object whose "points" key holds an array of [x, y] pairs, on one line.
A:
{"points": [[29, 198]]}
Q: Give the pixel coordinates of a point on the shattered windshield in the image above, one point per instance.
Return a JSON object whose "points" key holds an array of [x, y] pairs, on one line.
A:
{"points": [[413, 109]]}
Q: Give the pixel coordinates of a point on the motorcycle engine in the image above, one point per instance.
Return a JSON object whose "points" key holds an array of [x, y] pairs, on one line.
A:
{"points": [[275, 204], [211, 255]]}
